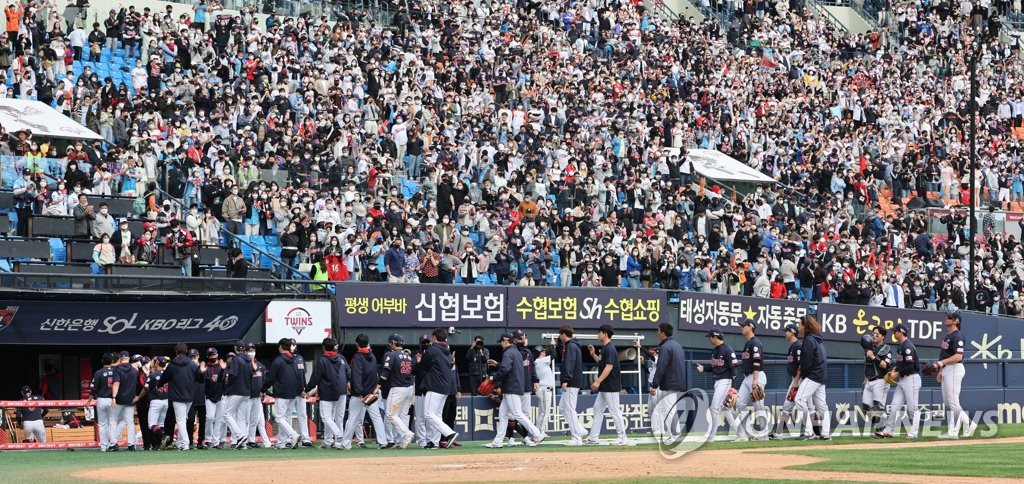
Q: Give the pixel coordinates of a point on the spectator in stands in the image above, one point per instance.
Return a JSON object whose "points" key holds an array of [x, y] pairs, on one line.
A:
{"points": [[104, 255], [182, 247], [84, 216], [233, 210], [289, 250], [146, 251], [25, 195], [124, 243], [102, 223]]}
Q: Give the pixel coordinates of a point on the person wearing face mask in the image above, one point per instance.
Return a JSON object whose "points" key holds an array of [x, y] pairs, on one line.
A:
{"points": [[25, 194], [123, 241], [104, 256], [182, 244], [145, 248], [103, 223], [233, 210]]}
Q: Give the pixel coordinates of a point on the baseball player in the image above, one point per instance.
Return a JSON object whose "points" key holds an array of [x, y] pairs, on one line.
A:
{"points": [[122, 410], [213, 391], [668, 384], [950, 373], [238, 386], [448, 411], [330, 379], [32, 418], [608, 385], [571, 379], [753, 377], [257, 413], [365, 381], [419, 419], [813, 371], [510, 376], [142, 363], [397, 374], [723, 369], [182, 374], [101, 393], [437, 375], [531, 382], [877, 360], [157, 402], [300, 403], [793, 370], [196, 421], [282, 377], [908, 385], [547, 387]]}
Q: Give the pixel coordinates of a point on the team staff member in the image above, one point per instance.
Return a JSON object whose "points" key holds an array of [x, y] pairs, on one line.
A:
{"points": [[31, 418], [142, 363], [213, 391], [330, 379], [300, 404], [122, 410], [908, 385], [723, 369], [510, 377], [237, 389], [157, 403], [608, 385], [282, 378], [813, 371], [448, 413], [793, 370], [571, 379], [397, 374], [545, 393], [101, 393], [257, 418], [365, 381], [877, 360], [182, 374], [753, 377], [419, 412], [951, 368], [669, 383], [531, 382], [437, 374], [198, 410]]}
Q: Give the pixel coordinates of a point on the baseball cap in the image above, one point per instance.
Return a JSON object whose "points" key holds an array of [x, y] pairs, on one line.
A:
{"points": [[748, 322], [145, 360], [239, 345], [538, 349], [292, 341], [25, 389], [123, 354], [193, 352], [791, 328], [231, 354], [901, 328], [396, 339], [424, 339], [506, 337], [161, 359], [251, 347], [211, 352], [954, 315], [518, 334], [136, 358], [714, 333]]}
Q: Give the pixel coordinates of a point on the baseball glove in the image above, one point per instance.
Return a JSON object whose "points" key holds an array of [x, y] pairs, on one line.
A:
{"points": [[730, 398], [889, 379], [757, 394], [486, 387], [791, 396], [930, 369], [370, 399]]}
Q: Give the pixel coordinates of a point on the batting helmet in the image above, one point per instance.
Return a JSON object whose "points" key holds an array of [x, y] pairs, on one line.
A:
{"points": [[866, 341]]}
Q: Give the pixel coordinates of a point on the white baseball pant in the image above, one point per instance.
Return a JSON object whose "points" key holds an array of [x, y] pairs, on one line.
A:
{"points": [[103, 421], [906, 392], [303, 416], [236, 416], [952, 378], [356, 414], [123, 417], [257, 421], [544, 396], [435, 424], [35, 429], [283, 418], [567, 405], [215, 427], [399, 401], [722, 386], [813, 393], [180, 419], [875, 391], [380, 407], [607, 401], [748, 417], [663, 416], [512, 409], [420, 420], [333, 415], [157, 413]]}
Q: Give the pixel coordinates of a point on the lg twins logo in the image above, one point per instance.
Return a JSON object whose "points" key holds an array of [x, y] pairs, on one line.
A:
{"points": [[298, 319], [7, 316]]}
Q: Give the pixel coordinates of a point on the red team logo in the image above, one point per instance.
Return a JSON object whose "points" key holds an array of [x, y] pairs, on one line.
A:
{"points": [[298, 319], [7, 316]]}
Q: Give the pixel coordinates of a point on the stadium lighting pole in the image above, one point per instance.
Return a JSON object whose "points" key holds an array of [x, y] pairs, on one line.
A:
{"points": [[973, 226]]}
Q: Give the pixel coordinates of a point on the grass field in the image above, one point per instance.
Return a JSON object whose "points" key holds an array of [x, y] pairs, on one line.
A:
{"points": [[979, 460]]}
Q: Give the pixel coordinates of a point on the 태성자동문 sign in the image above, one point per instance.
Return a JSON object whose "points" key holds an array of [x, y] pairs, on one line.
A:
{"points": [[106, 323], [308, 322], [420, 305]]}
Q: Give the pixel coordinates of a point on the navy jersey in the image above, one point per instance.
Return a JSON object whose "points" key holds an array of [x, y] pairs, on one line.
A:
{"points": [[610, 357], [723, 362], [397, 369], [300, 373], [214, 386], [128, 378], [529, 371], [953, 344], [906, 358], [259, 377], [750, 360], [102, 385], [793, 358], [156, 390], [27, 414], [873, 367]]}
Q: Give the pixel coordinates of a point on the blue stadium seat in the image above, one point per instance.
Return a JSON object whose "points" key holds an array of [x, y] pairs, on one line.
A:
{"points": [[58, 252]]}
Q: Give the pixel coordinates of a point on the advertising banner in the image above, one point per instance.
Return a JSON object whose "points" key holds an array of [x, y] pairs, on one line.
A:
{"points": [[421, 305], [118, 323], [703, 312], [844, 322], [309, 322], [544, 307]]}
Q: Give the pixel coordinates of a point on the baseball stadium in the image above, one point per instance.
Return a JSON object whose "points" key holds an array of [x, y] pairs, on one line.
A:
{"points": [[278, 239]]}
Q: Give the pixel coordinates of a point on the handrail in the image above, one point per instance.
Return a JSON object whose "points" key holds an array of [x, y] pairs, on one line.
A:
{"points": [[28, 282], [292, 270]]}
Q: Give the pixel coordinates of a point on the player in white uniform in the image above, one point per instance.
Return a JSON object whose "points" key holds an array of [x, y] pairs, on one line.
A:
{"points": [[723, 369], [951, 375]]}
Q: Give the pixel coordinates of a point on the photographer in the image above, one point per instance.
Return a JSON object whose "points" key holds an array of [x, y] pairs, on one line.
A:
{"points": [[477, 357]]}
